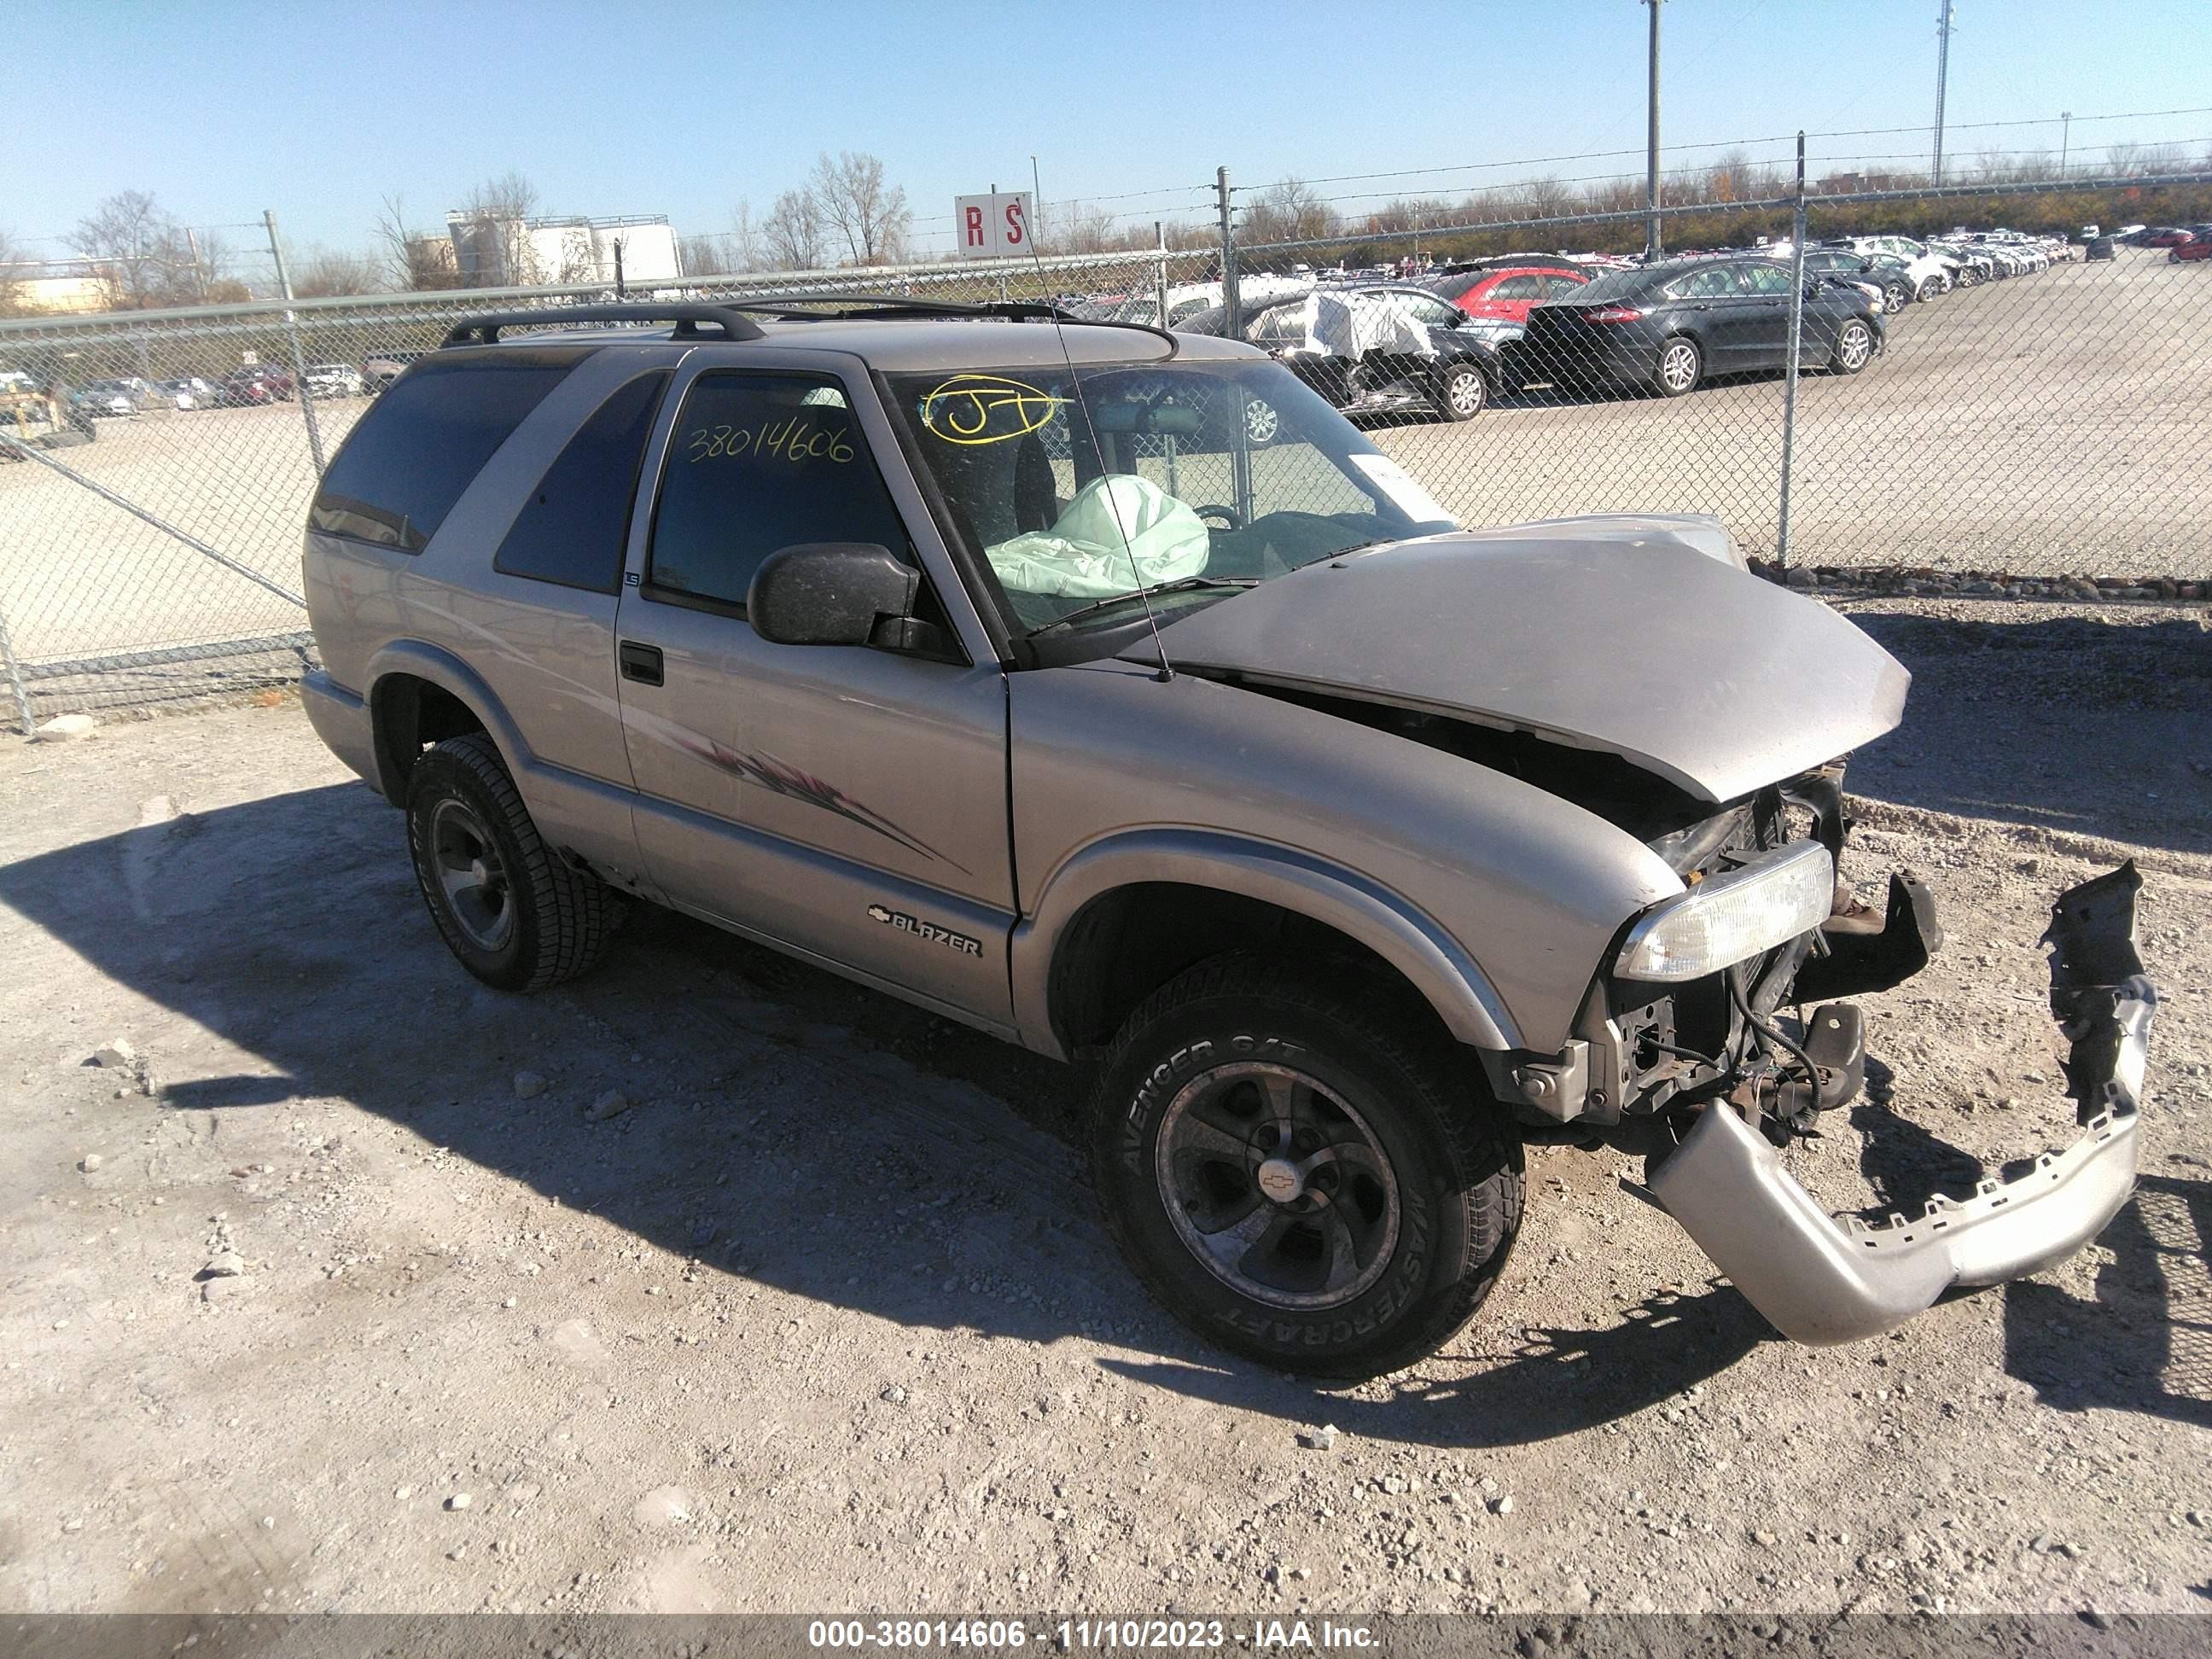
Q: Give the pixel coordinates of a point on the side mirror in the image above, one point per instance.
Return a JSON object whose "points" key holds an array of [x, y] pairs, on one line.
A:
{"points": [[830, 594]]}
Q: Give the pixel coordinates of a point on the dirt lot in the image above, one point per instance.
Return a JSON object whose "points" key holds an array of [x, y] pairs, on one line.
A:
{"points": [[2055, 422], [822, 1321]]}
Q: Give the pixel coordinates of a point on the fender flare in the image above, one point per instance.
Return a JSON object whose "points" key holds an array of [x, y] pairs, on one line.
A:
{"points": [[448, 672], [1434, 962]]}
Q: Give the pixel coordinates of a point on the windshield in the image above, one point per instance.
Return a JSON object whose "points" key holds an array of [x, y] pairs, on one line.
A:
{"points": [[1209, 475]]}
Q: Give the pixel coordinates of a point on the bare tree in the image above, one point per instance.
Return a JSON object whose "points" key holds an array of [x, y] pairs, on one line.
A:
{"points": [[12, 258], [741, 250], [413, 260], [871, 217], [141, 256], [327, 274], [495, 229], [792, 234], [702, 256], [1289, 211]]}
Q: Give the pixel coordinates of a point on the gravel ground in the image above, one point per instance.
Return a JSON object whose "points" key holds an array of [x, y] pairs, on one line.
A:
{"points": [[356, 1290]]}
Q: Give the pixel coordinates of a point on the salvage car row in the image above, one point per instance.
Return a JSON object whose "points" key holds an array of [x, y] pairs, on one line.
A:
{"points": [[1446, 343]]}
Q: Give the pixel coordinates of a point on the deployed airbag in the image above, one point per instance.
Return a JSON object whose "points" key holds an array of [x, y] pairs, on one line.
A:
{"points": [[1118, 534]]}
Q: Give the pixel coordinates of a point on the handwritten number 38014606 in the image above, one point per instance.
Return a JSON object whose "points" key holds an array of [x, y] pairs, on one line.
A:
{"points": [[794, 441]]}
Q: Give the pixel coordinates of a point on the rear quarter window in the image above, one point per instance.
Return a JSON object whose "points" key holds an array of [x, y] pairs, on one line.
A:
{"points": [[571, 529], [423, 443]]}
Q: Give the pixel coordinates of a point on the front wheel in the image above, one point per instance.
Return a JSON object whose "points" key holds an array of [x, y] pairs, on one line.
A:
{"points": [[1461, 391], [517, 916], [1261, 423], [1854, 348], [1680, 365], [1299, 1175]]}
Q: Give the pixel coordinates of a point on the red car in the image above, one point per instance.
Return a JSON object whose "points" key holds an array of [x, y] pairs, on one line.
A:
{"points": [[259, 383], [2198, 246], [1504, 291], [2164, 236]]}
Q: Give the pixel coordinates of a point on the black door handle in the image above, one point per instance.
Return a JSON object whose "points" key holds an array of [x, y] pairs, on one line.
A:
{"points": [[641, 663]]}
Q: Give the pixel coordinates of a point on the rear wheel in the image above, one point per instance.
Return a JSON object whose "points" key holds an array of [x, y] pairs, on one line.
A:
{"points": [[1680, 365], [1299, 1174], [1261, 423], [1894, 297], [1461, 391], [517, 916]]}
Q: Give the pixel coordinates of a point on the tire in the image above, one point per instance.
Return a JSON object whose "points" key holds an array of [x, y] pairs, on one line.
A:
{"points": [[1895, 297], [1854, 348], [517, 916], [1349, 1276], [1929, 288], [1462, 392], [1261, 423], [1679, 366]]}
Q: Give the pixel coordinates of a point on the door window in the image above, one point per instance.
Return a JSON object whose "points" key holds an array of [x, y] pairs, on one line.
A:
{"points": [[1518, 288], [1423, 308], [1285, 325], [758, 462], [1769, 279], [1561, 285]]}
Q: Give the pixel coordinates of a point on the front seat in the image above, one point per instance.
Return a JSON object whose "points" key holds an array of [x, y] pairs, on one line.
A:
{"points": [[1036, 492]]}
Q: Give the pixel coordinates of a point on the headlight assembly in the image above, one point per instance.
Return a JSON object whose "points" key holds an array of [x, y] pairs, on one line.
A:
{"points": [[1732, 917]]}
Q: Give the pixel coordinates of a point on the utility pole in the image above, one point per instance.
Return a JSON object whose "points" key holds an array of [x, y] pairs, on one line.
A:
{"points": [[1652, 240], [1943, 74], [2065, 133], [199, 273]]}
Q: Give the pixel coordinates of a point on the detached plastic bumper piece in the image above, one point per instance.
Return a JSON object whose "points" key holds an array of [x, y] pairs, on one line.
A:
{"points": [[1823, 1280]]}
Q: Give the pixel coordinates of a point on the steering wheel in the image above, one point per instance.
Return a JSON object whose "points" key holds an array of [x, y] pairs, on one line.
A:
{"points": [[1229, 515]]}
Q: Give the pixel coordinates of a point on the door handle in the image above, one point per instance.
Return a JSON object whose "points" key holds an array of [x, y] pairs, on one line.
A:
{"points": [[641, 663]]}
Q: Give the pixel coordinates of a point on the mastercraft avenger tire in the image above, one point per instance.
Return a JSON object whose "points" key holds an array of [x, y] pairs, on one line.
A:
{"points": [[1300, 1173], [517, 916]]}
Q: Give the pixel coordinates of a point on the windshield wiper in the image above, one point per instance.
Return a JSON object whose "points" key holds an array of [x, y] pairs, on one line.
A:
{"points": [[1181, 584]]}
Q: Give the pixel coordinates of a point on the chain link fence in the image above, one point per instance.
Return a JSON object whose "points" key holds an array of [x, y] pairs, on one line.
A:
{"points": [[1980, 412]]}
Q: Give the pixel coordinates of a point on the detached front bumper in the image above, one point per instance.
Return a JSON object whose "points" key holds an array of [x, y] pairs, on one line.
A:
{"points": [[1822, 1280]]}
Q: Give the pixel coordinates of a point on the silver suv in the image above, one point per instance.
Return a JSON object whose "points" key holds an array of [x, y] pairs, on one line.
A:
{"points": [[976, 654]]}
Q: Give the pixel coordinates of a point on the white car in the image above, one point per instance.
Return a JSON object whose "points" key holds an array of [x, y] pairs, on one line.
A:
{"points": [[1931, 274], [1187, 300], [335, 380], [187, 392]]}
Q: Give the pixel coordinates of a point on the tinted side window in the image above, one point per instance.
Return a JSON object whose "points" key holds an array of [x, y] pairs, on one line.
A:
{"points": [[1519, 288], [424, 442], [759, 462], [570, 530], [1562, 285], [1769, 279]]}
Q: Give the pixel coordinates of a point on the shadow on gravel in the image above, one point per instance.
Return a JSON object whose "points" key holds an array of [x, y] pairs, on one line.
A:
{"points": [[1560, 1380], [785, 1127], [2148, 1354], [2081, 724]]}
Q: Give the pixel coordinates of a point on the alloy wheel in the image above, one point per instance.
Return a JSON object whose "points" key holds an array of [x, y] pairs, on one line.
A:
{"points": [[1277, 1186], [471, 875], [1678, 366]]}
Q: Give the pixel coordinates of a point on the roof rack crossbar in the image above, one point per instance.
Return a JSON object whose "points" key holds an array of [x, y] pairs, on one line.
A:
{"points": [[484, 329]]}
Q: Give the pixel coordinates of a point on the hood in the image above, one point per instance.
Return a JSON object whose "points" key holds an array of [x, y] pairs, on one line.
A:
{"points": [[1626, 642]]}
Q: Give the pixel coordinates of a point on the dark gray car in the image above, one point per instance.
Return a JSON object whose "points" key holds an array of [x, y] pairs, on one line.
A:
{"points": [[983, 657], [1670, 328]]}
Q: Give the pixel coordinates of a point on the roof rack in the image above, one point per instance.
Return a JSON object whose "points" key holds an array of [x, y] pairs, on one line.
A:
{"points": [[484, 329], [787, 308], [734, 317]]}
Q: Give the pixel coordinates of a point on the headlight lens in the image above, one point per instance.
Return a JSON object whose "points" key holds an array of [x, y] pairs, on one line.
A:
{"points": [[1732, 917]]}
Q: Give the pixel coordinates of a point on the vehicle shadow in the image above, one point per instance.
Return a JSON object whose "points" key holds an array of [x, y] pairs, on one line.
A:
{"points": [[2111, 743], [2150, 1355], [1554, 1380], [786, 1127]]}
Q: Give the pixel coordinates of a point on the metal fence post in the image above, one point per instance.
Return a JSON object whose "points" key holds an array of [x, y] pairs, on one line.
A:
{"points": [[15, 678], [1230, 298], [298, 358], [1160, 240], [1792, 356]]}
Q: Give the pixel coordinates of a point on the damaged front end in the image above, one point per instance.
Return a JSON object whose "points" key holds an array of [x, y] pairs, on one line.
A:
{"points": [[1709, 1076]]}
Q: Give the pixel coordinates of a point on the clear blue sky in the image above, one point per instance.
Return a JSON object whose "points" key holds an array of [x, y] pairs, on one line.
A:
{"points": [[319, 109]]}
